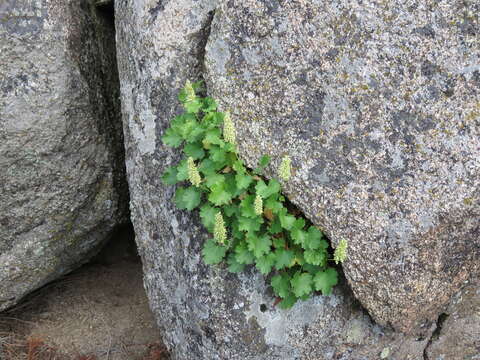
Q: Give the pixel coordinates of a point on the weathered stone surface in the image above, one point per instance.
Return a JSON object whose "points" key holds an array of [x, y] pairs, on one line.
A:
{"points": [[204, 312], [377, 104], [458, 334], [61, 152]]}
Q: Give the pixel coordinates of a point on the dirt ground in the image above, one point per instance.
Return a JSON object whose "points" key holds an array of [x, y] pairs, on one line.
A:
{"points": [[98, 312]]}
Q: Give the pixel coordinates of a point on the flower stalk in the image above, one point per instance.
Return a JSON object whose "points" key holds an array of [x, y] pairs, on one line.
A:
{"points": [[219, 230], [193, 174]]}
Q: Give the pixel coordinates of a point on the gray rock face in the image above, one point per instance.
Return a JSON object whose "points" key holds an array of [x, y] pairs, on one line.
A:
{"points": [[377, 104], [204, 312], [458, 334], [61, 156]]}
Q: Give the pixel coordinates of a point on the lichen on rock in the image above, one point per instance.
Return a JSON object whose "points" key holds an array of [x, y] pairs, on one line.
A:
{"points": [[306, 78], [374, 104]]}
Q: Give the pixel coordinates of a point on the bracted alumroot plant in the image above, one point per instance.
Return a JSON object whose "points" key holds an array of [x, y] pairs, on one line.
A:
{"points": [[249, 218]]}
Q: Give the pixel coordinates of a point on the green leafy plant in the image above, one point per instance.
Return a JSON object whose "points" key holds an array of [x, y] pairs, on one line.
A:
{"points": [[251, 222]]}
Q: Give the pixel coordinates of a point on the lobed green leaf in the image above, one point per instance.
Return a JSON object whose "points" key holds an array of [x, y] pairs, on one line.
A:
{"points": [[207, 167], [288, 301], [231, 210], [191, 197], [259, 245], [301, 283], [249, 224], [172, 138], [209, 104], [233, 265], [325, 280], [219, 196], [281, 285], [265, 191], [182, 170], [212, 252], [217, 154], [247, 208], [214, 179], [243, 180], [315, 257], [275, 227], [265, 263], [286, 220], [207, 216], [279, 242], [284, 258], [315, 240], [213, 136], [273, 204], [193, 107], [299, 237], [179, 198], [194, 150], [243, 255]]}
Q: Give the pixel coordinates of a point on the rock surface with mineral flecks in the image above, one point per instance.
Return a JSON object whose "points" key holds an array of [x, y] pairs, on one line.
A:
{"points": [[206, 313], [377, 104], [62, 187]]}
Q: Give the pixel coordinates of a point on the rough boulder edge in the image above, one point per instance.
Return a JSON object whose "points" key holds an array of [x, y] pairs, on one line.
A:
{"points": [[62, 178], [204, 312]]}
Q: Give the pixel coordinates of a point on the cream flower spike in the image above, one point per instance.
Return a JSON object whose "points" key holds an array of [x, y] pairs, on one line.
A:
{"points": [[219, 231], [340, 253], [258, 205], [284, 171], [229, 132], [193, 174], [190, 91]]}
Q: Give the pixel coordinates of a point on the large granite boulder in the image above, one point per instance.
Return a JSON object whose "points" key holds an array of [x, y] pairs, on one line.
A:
{"points": [[377, 104], [62, 186], [204, 312]]}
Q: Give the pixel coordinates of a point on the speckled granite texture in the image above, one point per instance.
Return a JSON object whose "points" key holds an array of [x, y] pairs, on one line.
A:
{"points": [[298, 77], [457, 336], [378, 105], [62, 186]]}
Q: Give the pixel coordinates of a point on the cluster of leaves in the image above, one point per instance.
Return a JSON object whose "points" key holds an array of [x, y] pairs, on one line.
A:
{"points": [[247, 215]]}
